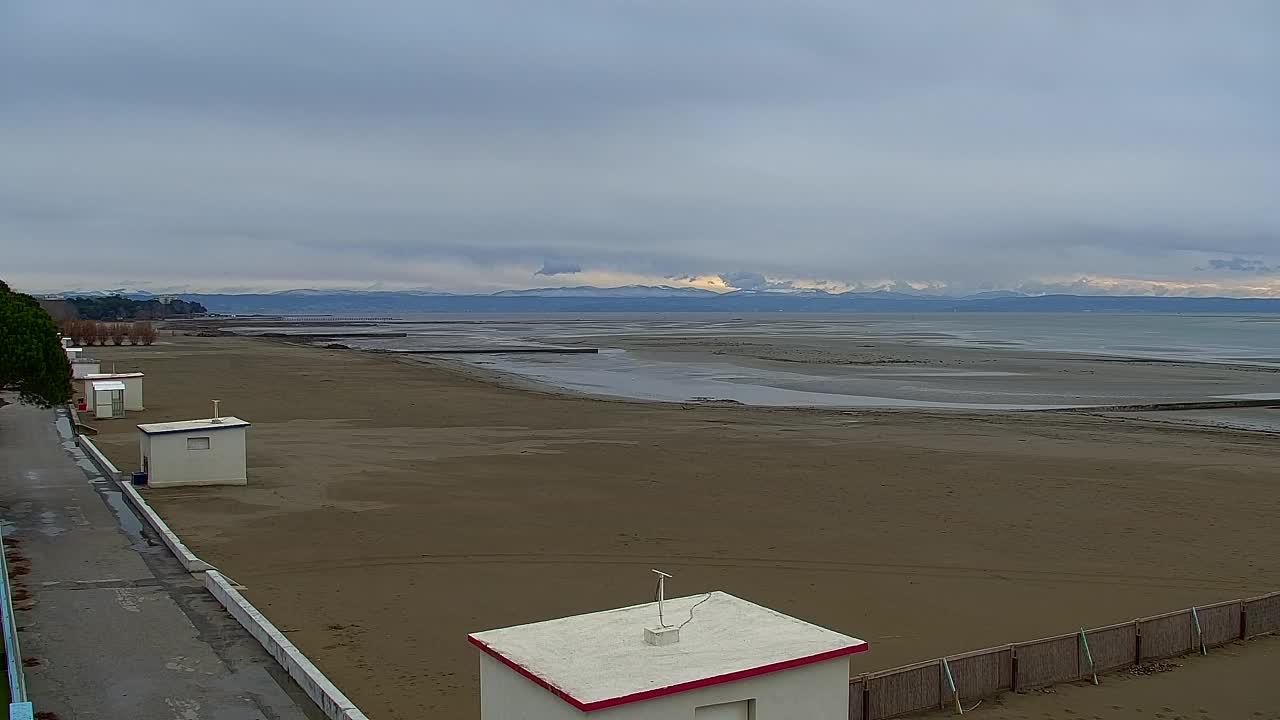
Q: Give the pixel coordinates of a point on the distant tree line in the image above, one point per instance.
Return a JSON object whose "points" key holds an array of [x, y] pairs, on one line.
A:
{"points": [[94, 332], [119, 307]]}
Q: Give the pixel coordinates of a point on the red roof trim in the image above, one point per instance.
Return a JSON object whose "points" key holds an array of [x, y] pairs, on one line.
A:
{"points": [[670, 689]]}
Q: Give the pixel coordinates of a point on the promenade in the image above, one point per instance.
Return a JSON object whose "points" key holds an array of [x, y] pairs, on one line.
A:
{"points": [[110, 624]]}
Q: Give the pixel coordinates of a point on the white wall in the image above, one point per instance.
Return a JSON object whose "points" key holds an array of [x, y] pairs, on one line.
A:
{"points": [[170, 463], [508, 695], [814, 692], [132, 393], [80, 369]]}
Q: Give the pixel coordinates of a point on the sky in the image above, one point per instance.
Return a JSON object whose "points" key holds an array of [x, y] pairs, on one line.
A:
{"points": [[1109, 147]]}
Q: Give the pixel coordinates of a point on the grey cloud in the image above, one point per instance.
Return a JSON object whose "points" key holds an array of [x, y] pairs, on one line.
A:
{"points": [[463, 143], [747, 280], [1239, 264], [744, 280], [558, 267]]}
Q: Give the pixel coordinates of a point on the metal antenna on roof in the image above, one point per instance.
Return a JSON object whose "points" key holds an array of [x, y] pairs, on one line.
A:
{"points": [[662, 594], [216, 417]]}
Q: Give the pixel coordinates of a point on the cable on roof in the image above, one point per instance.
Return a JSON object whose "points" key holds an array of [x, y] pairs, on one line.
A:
{"points": [[695, 607]]}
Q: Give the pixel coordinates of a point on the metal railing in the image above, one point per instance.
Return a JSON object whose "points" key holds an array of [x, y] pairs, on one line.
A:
{"points": [[19, 706]]}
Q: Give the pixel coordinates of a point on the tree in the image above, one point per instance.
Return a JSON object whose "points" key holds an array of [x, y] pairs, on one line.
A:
{"points": [[32, 360]]}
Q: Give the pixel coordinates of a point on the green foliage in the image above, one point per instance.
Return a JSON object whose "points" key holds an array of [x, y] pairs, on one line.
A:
{"points": [[32, 360], [119, 307]]}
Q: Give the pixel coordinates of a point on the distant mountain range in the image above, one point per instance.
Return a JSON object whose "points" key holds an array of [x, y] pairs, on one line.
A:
{"points": [[660, 298]]}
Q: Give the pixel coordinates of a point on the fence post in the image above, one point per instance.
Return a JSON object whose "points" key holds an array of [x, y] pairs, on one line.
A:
{"points": [[866, 698], [1013, 669], [1137, 642], [1195, 616], [952, 684], [1088, 655], [1244, 620]]}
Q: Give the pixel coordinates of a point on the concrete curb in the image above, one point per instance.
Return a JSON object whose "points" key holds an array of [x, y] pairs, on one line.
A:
{"points": [[171, 540], [104, 465], [325, 695]]}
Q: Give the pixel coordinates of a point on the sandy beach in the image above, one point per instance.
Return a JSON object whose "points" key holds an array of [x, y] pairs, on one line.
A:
{"points": [[395, 505]]}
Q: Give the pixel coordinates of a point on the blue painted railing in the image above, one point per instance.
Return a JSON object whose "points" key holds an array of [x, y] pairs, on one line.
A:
{"points": [[19, 706]]}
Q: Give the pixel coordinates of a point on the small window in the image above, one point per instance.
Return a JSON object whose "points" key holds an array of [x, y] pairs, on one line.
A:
{"points": [[198, 443]]}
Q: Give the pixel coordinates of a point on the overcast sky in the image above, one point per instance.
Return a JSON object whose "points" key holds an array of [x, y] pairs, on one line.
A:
{"points": [[1093, 146]]}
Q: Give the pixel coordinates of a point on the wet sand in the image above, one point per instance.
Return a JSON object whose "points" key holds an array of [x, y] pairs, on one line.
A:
{"points": [[395, 505], [852, 362]]}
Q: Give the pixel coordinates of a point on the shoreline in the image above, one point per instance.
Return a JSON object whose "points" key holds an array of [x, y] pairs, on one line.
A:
{"points": [[514, 380], [509, 380], [852, 365]]}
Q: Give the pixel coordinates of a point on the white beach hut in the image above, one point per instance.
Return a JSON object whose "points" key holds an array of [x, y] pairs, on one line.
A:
{"points": [[83, 367], [194, 452], [132, 387], [106, 398], [712, 657]]}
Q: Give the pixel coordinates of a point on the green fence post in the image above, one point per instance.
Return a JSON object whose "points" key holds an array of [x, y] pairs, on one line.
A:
{"points": [[1084, 640], [952, 683]]}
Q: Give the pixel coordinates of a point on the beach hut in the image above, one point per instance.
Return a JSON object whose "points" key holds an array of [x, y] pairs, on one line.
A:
{"points": [[705, 657], [194, 452], [83, 367], [132, 387], [106, 398]]}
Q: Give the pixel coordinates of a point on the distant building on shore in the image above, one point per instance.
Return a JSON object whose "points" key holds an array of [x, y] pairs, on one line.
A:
{"points": [[705, 657]]}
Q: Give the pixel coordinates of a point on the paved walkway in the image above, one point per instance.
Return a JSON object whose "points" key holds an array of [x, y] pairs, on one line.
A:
{"points": [[117, 627]]}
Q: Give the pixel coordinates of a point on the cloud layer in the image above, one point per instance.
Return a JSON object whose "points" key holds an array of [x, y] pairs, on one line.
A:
{"points": [[461, 145], [558, 267]]}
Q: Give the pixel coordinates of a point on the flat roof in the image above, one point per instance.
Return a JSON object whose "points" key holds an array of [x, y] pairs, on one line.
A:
{"points": [[192, 425], [107, 385], [105, 376], [601, 660]]}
